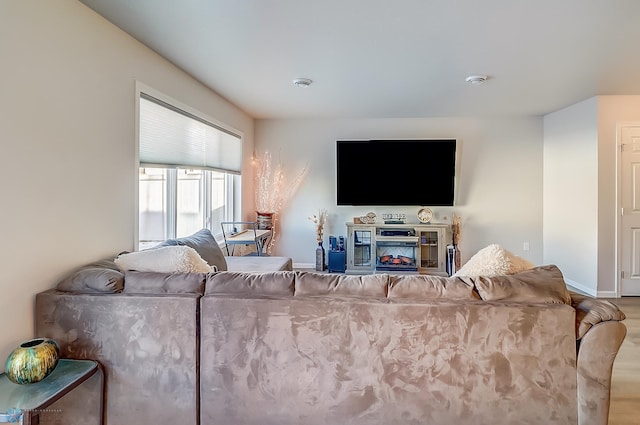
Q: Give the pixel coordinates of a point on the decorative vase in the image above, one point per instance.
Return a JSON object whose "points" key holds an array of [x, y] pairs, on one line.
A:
{"points": [[32, 361], [264, 220], [456, 259], [320, 257]]}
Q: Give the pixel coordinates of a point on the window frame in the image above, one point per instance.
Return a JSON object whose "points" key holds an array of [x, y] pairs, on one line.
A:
{"points": [[233, 181]]}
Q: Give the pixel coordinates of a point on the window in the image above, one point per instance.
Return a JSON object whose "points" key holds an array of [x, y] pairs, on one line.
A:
{"points": [[188, 170]]}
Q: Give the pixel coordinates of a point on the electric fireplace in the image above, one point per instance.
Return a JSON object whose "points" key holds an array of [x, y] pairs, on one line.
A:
{"points": [[396, 250]]}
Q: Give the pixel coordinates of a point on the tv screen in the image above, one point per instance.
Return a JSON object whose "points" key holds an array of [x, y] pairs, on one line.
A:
{"points": [[396, 172]]}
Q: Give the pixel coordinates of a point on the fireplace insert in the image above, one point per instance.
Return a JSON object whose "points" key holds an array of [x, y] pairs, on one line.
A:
{"points": [[397, 254]]}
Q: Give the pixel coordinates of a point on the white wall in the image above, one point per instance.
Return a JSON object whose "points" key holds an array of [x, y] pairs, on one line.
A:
{"points": [[499, 178], [67, 146], [570, 193], [612, 110], [580, 174]]}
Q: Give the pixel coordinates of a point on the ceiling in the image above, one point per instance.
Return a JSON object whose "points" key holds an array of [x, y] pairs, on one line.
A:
{"points": [[400, 58]]}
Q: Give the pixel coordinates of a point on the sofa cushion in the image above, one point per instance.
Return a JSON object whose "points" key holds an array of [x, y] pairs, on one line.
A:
{"points": [[310, 283], [493, 260], [92, 278], [163, 283], [268, 283], [166, 259], [426, 287], [544, 284], [205, 244]]}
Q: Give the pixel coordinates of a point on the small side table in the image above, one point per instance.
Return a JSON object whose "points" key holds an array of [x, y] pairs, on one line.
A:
{"points": [[23, 403], [248, 236]]}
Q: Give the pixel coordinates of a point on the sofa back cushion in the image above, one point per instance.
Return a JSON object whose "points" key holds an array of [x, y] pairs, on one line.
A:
{"points": [[426, 287], [278, 283], [310, 283], [100, 276], [544, 284], [163, 283], [205, 244]]}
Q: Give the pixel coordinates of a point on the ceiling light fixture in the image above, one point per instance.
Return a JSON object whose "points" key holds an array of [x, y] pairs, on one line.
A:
{"points": [[476, 79], [302, 82]]}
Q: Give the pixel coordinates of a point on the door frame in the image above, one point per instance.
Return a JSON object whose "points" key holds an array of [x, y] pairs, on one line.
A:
{"points": [[618, 234]]}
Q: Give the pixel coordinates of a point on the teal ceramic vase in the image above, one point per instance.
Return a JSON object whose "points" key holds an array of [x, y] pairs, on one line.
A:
{"points": [[32, 361]]}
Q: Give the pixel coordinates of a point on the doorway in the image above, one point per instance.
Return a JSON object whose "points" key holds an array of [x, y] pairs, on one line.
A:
{"points": [[629, 209]]}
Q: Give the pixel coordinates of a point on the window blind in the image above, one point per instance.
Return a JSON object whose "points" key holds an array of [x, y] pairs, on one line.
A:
{"points": [[172, 137]]}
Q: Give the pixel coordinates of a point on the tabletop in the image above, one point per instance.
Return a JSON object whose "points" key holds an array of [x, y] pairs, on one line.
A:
{"points": [[67, 375]]}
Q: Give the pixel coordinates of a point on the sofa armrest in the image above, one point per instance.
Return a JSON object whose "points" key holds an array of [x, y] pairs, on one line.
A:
{"points": [[591, 311], [597, 351]]}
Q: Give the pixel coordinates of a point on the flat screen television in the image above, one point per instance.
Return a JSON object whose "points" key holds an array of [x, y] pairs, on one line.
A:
{"points": [[396, 172]]}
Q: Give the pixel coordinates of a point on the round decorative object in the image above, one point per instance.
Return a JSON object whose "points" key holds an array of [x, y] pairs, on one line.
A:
{"points": [[369, 218], [372, 217], [425, 215], [32, 361]]}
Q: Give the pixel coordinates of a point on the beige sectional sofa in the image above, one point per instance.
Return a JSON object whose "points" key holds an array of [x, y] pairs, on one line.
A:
{"points": [[287, 348]]}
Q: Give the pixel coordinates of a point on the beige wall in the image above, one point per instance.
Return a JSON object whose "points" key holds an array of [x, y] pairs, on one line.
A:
{"points": [[570, 193], [499, 188], [67, 126]]}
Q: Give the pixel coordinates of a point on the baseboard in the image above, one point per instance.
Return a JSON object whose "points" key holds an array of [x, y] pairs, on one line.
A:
{"points": [[578, 287], [607, 294]]}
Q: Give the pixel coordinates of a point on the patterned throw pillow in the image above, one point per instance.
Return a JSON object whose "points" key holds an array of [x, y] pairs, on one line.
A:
{"points": [[166, 259], [494, 261]]}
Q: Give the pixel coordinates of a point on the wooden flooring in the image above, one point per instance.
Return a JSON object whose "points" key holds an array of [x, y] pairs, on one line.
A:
{"points": [[625, 387]]}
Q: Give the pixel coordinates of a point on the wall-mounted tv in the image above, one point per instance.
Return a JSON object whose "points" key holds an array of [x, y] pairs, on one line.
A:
{"points": [[396, 172]]}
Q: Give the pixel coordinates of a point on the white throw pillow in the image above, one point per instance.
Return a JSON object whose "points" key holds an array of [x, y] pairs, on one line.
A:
{"points": [[167, 259], [494, 261]]}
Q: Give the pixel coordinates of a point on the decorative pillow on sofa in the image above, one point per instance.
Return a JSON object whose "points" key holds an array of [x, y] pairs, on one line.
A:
{"points": [[426, 287], [544, 284], [92, 278], [206, 246], [310, 283], [163, 283], [493, 260], [166, 259]]}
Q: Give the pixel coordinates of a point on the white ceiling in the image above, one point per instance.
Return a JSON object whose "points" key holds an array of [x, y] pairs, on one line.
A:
{"points": [[400, 58]]}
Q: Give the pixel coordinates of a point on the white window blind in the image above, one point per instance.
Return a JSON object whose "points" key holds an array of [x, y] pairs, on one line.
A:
{"points": [[171, 137]]}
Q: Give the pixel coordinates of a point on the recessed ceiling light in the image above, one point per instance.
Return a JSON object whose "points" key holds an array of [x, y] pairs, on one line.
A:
{"points": [[476, 79], [302, 82]]}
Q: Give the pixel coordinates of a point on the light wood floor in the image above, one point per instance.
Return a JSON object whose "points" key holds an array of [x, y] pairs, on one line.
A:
{"points": [[625, 387]]}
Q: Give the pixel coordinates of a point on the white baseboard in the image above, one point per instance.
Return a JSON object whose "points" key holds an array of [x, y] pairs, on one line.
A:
{"points": [[607, 294], [578, 287]]}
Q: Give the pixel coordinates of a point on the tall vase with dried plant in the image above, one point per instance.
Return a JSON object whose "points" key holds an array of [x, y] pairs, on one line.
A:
{"points": [[273, 190], [320, 220], [456, 232]]}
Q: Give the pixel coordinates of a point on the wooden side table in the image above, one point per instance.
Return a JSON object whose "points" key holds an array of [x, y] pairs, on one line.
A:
{"points": [[24, 404]]}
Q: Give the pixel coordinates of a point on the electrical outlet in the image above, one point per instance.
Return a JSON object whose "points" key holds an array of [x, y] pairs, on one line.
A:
{"points": [[525, 246]]}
